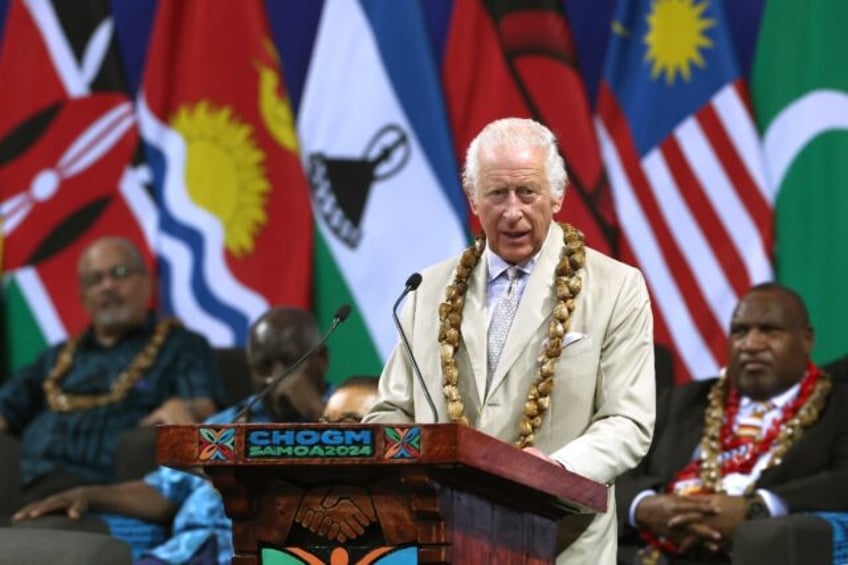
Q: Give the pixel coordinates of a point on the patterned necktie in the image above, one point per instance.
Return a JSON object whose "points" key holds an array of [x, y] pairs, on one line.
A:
{"points": [[502, 317]]}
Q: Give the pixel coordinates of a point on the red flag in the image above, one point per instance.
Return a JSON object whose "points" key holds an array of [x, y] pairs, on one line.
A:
{"points": [[67, 140], [510, 59], [232, 190]]}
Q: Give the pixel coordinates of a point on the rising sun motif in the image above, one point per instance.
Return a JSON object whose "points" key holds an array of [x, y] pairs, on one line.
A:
{"points": [[225, 171], [676, 35]]}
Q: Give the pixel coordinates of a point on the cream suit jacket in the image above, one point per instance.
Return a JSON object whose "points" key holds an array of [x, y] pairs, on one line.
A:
{"points": [[601, 415]]}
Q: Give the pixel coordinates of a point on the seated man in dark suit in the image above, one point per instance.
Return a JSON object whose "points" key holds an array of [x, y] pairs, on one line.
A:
{"points": [[767, 438]]}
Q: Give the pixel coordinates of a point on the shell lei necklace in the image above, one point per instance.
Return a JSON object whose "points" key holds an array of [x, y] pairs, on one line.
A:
{"points": [[787, 429], [59, 401], [567, 285]]}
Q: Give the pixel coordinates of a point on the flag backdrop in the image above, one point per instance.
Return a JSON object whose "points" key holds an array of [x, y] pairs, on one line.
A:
{"points": [[683, 157], [517, 58], [377, 153], [220, 194], [67, 145], [800, 91], [235, 228]]}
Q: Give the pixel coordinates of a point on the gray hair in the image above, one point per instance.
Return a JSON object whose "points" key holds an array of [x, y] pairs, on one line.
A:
{"points": [[516, 133]]}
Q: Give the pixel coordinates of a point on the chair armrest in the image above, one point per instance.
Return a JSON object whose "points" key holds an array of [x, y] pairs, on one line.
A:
{"points": [[24, 546]]}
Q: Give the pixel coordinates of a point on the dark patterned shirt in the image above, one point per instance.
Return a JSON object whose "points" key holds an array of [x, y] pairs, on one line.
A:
{"points": [[82, 443]]}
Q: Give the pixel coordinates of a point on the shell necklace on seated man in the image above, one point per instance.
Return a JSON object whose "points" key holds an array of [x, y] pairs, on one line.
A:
{"points": [[60, 401]]}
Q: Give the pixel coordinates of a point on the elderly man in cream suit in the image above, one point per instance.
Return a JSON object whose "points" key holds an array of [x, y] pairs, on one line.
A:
{"points": [[574, 380]]}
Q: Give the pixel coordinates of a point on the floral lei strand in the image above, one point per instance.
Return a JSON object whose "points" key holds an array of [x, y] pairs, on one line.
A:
{"points": [[567, 286], [59, 401]]}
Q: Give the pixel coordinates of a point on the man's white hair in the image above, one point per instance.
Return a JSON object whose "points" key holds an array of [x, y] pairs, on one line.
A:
{"points": [[515, 133]]}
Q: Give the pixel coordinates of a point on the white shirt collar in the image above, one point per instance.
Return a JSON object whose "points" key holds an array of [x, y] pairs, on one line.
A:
{"points": [[778, 401]]}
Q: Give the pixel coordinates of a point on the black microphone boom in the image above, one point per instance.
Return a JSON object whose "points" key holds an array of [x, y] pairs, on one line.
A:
{"points": [[412, 284], [341, 315]]}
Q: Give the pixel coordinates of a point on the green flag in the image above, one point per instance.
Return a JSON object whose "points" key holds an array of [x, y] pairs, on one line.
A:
{"points": [[800, 95]]}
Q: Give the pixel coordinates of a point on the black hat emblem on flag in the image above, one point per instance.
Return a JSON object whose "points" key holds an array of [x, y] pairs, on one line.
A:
{"points": [[340, 186]]}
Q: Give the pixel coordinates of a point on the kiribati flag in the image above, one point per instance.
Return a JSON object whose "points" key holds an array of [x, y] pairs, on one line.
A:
{"points": [[235, 232], [682, 153]]}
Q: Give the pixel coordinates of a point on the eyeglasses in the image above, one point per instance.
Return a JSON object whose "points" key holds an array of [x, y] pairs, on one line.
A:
{"points": [[117, 272]]}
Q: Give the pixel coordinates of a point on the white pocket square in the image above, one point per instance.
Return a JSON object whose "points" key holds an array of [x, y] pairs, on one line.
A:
{"points": [[571, 337]]}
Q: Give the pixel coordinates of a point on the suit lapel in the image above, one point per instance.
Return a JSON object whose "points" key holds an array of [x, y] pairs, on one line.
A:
{"points": [[474, 326], [534, 309]]}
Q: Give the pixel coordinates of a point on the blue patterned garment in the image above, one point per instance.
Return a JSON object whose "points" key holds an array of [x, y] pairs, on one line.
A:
{"points": [[839, 524], [200, 516], [82, 443]]}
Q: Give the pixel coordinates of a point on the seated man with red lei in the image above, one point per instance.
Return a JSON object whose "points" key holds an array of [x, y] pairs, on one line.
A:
{"points": [[767, 438]]}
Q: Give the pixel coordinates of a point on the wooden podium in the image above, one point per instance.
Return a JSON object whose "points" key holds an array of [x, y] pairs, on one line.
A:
{"points": [[345, 494]]}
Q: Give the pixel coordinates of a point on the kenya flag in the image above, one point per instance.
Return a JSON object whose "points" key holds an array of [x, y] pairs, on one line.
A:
{"points": [[67, 144]]}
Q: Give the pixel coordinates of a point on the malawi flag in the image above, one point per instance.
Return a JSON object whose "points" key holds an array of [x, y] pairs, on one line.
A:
{"points": [[516, 58], [800, 91], [377, 151], [235, 231], [683, 157], [67, 144]]}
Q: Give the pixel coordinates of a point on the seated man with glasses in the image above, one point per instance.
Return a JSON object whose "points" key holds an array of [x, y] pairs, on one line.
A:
{"points": [[185, 504], [128, 369]]}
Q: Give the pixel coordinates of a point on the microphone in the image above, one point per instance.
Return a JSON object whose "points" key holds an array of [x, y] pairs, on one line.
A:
{"points": [[412, 284], [340, 316]]}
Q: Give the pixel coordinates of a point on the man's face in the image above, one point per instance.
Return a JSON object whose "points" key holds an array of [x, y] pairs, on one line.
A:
{"points": [[768, 346], [114, 290], [514, 201], [275, 347]]}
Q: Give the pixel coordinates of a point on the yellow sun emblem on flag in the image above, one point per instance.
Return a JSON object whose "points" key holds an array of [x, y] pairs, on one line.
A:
{"points": [[225, 171], [675, 38]]}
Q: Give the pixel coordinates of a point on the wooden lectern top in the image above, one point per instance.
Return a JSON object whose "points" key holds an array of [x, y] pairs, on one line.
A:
{"points": [[458, 454]]}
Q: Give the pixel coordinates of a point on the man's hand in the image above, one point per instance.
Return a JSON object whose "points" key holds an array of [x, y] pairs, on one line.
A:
{"points": [[536, 452], [731, 512], [682, 519], [74, 503], [301, 391], [172, 411]]}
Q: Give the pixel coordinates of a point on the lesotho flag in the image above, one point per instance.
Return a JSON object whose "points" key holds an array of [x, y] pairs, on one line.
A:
{"points": [[377, 150], [235, 232]]}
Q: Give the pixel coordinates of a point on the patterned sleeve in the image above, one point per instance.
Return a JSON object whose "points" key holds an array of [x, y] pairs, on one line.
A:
{"points": [[22, 397], [174, 485], [197, 373]]}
